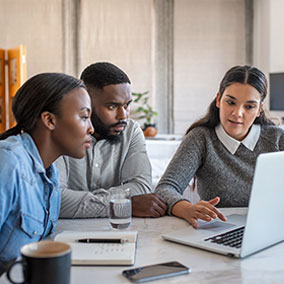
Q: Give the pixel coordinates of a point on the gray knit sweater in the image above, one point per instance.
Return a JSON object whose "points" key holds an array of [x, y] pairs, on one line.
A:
{"points": [[218, 172]]}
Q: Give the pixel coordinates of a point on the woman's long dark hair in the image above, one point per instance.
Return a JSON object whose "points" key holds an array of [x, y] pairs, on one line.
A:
{"points": [[40, 93], [237, 74]]}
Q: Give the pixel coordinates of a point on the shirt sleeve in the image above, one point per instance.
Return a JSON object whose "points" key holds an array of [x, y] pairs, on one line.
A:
{"points": [[135, 174], [78, 204], [8, 177], [182, 168]]}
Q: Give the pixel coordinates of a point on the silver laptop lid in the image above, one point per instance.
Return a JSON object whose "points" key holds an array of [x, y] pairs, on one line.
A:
{"points": [[264, 225]]}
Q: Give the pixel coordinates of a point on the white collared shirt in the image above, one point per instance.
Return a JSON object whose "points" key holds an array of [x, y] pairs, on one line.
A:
{"points": [[232, 144]]}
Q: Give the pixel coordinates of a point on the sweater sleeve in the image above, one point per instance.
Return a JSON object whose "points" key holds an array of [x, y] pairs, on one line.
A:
{"points": [[281, 140], [183, 166]]}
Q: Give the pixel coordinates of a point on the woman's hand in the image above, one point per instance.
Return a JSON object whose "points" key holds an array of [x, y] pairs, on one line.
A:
{"points": [[204, 210]]}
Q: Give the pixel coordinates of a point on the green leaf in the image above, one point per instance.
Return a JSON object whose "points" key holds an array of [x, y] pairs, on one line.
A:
{"points": [[144, 109]]}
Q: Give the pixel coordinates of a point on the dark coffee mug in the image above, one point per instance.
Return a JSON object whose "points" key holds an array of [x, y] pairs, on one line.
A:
{"points": [[44, 262]]}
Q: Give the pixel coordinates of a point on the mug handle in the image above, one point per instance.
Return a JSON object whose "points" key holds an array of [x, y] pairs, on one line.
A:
{"points": [[10, 269]]}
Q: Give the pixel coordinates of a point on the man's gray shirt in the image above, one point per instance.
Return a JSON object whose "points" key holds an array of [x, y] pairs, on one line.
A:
{"points": [[85, 182]]}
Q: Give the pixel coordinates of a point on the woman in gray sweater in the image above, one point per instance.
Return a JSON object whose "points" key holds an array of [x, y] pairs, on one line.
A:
{"points": [[221, 149]]}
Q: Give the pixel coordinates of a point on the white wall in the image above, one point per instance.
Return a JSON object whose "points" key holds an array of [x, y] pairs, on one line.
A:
{"points": [[119, 32], [268, 45], [276, 36], [110, 30], [209, 39], [38, 25]]}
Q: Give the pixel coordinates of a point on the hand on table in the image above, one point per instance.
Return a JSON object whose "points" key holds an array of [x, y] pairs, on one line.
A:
{"points": [[148, 205], [204, 210]]}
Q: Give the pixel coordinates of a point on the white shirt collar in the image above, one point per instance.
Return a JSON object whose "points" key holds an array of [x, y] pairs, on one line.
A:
{"points": [[232, 144]]}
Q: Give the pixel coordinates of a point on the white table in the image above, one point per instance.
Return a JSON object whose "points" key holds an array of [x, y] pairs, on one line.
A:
{"points": [[264, 267]]}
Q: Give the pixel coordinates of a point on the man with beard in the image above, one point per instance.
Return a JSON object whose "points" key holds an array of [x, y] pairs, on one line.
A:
{"points": [[117, 157]]}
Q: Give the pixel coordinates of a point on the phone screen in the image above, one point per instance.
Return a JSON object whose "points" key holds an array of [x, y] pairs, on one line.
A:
{"points": [[156, 271]]}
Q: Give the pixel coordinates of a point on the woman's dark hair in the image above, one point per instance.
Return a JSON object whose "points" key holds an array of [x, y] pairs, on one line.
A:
{"points": [[237, 74], [40, 93]]}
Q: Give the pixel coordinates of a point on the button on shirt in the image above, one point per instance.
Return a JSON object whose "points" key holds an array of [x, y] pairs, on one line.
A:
{"points": [[29, 196]]}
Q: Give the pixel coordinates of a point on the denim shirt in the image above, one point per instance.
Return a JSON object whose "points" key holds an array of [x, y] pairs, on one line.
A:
{"points": [[29, 196]]}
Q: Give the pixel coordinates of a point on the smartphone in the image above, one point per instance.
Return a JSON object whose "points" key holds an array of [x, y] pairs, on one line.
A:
{"points": [[155, 271]]}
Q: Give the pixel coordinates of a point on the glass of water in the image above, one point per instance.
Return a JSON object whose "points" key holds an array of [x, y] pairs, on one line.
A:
{"points": [[120, 208]]}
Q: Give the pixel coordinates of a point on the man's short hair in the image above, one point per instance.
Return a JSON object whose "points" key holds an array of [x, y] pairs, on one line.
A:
{"points": [[101, 74]]}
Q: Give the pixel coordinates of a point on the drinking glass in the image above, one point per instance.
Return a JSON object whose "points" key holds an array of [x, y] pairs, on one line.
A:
{"points": [[120, 208]]}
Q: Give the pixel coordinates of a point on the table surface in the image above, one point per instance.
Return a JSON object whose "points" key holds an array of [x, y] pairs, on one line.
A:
{"points": [[266, 266]]}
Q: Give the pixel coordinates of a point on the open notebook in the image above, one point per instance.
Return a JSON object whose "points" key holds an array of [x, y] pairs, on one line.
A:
{"points": [[102, 253]]}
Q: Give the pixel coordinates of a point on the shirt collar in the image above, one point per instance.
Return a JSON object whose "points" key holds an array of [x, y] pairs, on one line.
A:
{"points": [[232, 144], [32, 150]]}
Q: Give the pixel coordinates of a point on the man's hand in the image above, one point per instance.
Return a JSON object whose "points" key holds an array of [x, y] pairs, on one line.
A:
{"points": [[148, 205], [204, 210]]}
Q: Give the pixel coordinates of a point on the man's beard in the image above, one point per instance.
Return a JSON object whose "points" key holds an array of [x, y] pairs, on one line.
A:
{"points": [[104, 131]]}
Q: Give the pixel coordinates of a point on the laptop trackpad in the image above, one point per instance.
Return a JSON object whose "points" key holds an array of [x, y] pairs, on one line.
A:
{"points": [[215, 226]]}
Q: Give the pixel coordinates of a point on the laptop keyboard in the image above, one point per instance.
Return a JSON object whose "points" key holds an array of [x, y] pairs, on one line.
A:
{"points": [[232, 238]]}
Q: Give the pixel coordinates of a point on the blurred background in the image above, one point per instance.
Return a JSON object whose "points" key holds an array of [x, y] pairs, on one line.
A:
{"points": [[177, 50]]}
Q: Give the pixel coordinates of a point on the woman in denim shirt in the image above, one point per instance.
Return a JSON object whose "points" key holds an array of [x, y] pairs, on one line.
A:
{"points": [[52, 111]]}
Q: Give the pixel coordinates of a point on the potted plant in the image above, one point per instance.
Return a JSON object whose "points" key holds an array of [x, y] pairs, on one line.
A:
{"points": [[146, 112]]}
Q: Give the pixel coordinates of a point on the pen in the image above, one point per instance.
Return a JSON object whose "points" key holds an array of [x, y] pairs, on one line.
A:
{"points": [[95, 240]]}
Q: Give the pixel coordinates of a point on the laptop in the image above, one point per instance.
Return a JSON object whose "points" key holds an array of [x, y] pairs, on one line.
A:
{"points": [[243, 235]]}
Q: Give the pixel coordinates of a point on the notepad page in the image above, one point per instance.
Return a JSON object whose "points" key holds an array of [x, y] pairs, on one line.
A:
{"points": [[101, 253]]}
